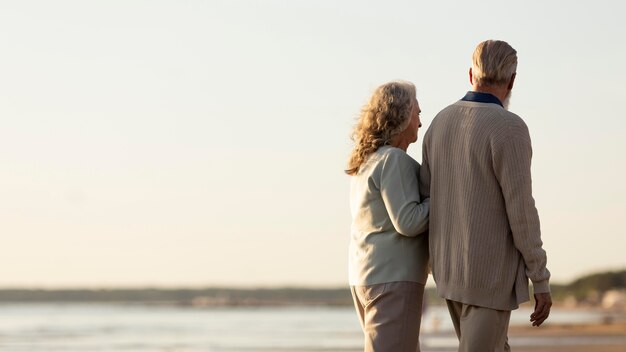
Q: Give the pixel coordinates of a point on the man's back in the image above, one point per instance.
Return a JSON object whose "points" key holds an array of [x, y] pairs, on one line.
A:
{"points": [[484, 228]]}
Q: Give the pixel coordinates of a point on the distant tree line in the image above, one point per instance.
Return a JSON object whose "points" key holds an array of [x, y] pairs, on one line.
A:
{"points": [[205, 296], [580, 288], [599, 282]]}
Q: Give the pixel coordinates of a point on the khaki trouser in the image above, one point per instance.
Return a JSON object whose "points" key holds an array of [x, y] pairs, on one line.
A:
{"points": [[390, 315], [480, 329]]}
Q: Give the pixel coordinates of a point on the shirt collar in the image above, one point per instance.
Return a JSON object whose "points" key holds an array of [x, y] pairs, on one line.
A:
{"points": [[480, 97]]}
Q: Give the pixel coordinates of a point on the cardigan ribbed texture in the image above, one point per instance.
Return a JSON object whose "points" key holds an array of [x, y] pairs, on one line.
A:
{"points": [[388, 219], [484, 234]]}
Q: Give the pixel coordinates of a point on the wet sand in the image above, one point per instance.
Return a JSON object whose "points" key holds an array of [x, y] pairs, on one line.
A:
{"points": [[551, 338], [571, 338]]}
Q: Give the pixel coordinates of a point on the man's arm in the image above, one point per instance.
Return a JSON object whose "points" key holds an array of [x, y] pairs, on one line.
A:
{"points": [[512, 161], [424, 176]]}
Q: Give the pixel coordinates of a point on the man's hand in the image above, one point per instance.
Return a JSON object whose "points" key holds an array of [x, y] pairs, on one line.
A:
{"points": [[543, 302]]}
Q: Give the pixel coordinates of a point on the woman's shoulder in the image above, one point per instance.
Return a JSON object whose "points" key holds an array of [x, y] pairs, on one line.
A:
{"points": [[397, 155], [388, 158]]}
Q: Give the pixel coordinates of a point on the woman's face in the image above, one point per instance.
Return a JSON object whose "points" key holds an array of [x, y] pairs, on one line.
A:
{"points": [[415, 123], [409, 135]]}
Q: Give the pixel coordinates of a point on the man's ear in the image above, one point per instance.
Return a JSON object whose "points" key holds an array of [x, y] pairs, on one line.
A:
{"points": [[512, 81], [471, 77]]}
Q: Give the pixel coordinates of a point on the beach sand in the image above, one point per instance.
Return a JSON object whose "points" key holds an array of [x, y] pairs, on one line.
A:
{"points": [[555, 337], [571, 338]]}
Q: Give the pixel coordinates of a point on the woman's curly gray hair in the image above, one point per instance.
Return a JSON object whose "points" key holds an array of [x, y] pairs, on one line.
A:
{"points": [[387, 114]]}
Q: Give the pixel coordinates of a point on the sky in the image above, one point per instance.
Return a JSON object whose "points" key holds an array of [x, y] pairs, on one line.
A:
{"points": [[203, 143]]}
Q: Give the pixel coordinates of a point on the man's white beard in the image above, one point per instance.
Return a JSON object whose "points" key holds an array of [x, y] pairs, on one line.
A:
{"points": [[507, 101]]}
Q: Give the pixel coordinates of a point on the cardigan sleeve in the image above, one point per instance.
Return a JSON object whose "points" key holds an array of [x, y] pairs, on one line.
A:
{"points": [[512, 162], [400, 193]]}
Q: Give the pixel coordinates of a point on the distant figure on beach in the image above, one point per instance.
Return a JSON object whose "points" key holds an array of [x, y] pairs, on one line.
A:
{"points": [[388, 255], [485, 241]]}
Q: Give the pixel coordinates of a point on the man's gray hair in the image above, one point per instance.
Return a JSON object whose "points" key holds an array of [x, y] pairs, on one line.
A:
{"points": [[494, 62]]}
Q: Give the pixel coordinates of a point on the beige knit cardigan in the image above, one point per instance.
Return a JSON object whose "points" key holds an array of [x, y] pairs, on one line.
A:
{"points": [[484, 234]]}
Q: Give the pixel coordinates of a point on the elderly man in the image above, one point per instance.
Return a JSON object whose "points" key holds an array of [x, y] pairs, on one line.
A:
{"points": [[485, 241]]}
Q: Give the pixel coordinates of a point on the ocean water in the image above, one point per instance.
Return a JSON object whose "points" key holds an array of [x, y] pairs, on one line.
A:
{"points": [[138, 328]]}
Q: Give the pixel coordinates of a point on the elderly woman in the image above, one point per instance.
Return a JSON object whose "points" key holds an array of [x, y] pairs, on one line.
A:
{"points": [[388, 246]]}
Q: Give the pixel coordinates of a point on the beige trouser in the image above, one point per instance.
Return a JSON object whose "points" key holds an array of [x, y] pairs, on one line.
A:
{"points": [[390, 315], [480, 329]]}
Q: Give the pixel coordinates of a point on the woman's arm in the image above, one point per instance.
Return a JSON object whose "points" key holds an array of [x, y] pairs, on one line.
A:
{"points": [[400, 192]]}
